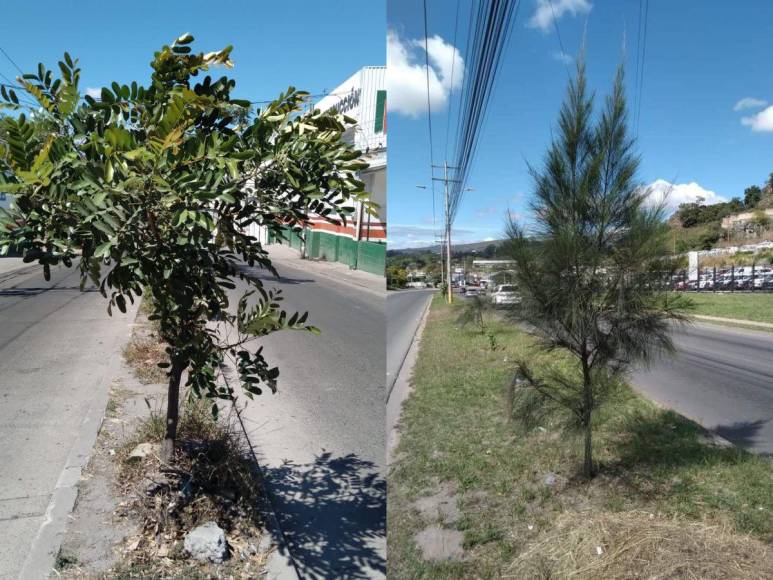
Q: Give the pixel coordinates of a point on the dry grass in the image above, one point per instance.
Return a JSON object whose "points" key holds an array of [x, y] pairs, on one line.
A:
{"points": [[637, 544], [212, 479], [143, 353], [455, 432]]}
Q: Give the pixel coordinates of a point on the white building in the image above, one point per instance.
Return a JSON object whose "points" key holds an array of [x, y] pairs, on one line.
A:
{"points": [[361, 243]]}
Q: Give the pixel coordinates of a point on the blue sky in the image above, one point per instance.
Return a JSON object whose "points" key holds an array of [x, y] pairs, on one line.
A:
{"points": [[706, 120], [312, 45]]}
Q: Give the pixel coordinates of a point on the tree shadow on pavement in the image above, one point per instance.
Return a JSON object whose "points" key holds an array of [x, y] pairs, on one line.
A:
{"points": [[266, 276], [743, 433], [333, 515], [666, 439]]}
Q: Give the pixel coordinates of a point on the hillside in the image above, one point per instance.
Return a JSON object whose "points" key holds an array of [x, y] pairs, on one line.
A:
{"points": [[695, 226]]}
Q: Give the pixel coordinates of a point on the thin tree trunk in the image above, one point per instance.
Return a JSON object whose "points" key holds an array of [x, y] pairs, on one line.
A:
{"points": [[510, 399], [172, 412], [587, 467]]}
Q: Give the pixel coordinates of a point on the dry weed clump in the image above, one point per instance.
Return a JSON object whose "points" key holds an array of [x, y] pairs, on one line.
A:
{"points": [[636, 544], [143, 353], [212, 479]]}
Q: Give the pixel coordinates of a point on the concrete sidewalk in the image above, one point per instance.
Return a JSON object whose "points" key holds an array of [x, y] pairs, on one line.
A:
{"points": [[733, 321], [333, 270]]}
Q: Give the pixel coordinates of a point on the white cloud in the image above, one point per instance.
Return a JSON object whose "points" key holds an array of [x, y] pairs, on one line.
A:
{"points": [[94, 93], [484, 212], [415, 236], [407, 73], [749, 103], [676, 194], [762, 121], [549, 9], [563, 57]]}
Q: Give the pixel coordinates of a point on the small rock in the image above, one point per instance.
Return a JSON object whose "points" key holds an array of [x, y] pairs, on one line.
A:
{"points": [[550, 479], [155, 487], [142, 451], [207, 543]]}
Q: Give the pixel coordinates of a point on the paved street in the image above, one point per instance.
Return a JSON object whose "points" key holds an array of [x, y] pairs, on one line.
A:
{"points": [[321, 437], [56, 347], [722, 378], [403, 311]]}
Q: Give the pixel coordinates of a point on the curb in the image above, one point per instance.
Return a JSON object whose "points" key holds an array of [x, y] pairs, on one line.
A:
{"points": [[404, 375], [41, 557], [740, 321], [280, 564], [302, 265]]}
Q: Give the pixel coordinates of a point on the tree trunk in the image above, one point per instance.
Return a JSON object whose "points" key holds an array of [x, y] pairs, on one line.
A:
{"points": [[587, 468], [172, 412], [510, 399]]}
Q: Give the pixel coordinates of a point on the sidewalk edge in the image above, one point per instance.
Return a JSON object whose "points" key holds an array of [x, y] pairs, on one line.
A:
{"points": [[403, 386], [41, 558]]}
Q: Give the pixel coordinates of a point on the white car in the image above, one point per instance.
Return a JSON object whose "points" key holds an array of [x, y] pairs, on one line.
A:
{"points": [[505, 295]]}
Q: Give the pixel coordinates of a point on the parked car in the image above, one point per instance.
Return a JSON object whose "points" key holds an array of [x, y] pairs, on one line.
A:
{"points": [[472, 290], [505, 295]]}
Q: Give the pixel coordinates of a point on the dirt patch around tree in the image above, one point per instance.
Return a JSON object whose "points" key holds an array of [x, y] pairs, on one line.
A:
{"points": [[133, 512]]}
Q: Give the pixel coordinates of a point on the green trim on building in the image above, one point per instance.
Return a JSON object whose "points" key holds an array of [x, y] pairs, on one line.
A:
{"points": [[380, 111], [328, 247], [347, 251], [371, 257]]}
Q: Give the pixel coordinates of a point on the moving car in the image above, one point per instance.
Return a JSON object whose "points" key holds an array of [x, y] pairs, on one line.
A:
{"points": [[505, 295]]}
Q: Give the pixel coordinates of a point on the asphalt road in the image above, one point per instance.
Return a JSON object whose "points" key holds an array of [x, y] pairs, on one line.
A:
{"points": [[56, 347], [403, 311], [321, 437], [720, 377]]}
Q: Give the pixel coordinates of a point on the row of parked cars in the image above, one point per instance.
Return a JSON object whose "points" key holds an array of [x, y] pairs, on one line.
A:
{"points": [[740, 279], [501, 295]]}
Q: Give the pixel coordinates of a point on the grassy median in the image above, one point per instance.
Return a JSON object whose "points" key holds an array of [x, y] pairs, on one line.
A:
{"points": [[665, 495], [756, 306]]}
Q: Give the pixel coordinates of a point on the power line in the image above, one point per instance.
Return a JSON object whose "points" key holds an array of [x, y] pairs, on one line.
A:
{"points": [[560, 42], [643, 60], [429, 111], [492, 31], [453, 62], [21, 72]]}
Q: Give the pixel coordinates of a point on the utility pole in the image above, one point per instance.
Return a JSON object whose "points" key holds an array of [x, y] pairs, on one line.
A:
{"points": [[446, 180]]}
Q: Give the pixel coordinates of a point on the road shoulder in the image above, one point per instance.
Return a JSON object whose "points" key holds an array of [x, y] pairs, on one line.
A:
{"points": [[401, 389]]}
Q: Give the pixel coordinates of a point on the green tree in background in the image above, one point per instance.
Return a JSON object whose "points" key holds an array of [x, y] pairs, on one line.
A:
{"points": [[590, 287], [752, 196], [153, 187]]}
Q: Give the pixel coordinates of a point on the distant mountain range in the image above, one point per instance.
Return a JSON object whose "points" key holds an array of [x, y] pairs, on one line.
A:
{"points": [[473, 247]]}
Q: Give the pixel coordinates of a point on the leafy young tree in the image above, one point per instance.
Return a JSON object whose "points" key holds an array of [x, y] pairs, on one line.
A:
{"points": [[153, 188], [590, 286]]}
